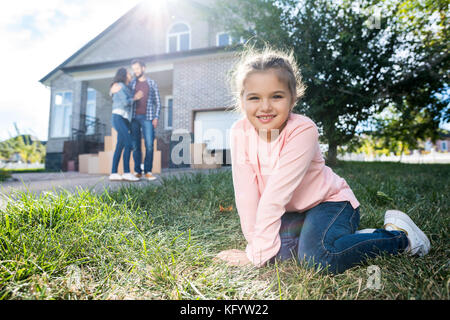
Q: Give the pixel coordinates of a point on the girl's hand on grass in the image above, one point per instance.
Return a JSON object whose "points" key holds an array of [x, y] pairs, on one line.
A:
{"points": [[233, 257]]}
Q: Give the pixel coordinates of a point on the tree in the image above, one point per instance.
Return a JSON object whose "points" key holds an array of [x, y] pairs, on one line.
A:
{"points": [[420, 95], [30, 150], [349, 57]]}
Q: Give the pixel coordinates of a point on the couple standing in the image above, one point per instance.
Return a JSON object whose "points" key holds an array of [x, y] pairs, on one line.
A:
{"points": [[135, 111]]}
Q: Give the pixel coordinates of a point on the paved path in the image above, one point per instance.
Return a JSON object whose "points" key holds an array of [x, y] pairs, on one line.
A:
{"points": [[44, 181]]}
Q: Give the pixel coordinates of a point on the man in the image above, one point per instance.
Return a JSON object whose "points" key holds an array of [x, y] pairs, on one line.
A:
{"points": [[145, 115]]}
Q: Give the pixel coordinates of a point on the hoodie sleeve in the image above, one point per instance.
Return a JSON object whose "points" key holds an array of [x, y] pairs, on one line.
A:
{"points": [[245, 183], [294, 160]]}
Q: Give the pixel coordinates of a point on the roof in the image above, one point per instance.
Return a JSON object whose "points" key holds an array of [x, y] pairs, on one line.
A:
{"points": [[87, 45], [62, 66], [149, 59]]}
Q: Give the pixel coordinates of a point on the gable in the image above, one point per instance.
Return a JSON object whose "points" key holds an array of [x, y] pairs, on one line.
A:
{"points": [[141, 32]]}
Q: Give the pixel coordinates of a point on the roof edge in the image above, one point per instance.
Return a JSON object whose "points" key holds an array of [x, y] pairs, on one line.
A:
{"points": [[150, 59], [91, 42]]}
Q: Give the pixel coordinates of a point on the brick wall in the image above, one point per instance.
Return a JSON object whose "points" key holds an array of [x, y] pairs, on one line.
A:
{"points": [[200, 84]]}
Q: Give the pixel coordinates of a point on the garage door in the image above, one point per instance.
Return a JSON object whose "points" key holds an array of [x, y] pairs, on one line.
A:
{"points": [[213, 128]]}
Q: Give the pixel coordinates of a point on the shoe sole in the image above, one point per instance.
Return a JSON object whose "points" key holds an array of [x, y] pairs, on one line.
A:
{"points": [[398, 218], [370, 230]]}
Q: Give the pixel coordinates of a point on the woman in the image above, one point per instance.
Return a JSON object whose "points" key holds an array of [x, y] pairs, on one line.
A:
{"points": [[121, 115]]}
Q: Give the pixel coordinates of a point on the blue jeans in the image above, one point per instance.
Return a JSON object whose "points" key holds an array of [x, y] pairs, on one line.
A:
{"points": [[124, 143], [139, 124], [324, 238]]}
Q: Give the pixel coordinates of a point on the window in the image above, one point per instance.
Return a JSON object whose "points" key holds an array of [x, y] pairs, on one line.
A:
{"points": [[91, 106], [179, 38], [224, 39], [444, 146], [168, 113], [61, 115]]}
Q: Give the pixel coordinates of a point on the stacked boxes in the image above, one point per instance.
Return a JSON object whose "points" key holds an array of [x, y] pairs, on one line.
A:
{"points": [[101, 163]]}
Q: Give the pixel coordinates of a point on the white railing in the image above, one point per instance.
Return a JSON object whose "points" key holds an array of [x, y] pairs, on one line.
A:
{"points": [[416, 157]]}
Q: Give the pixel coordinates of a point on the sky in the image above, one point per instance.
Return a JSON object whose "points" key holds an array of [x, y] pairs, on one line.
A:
{"points": [[37, 36]]}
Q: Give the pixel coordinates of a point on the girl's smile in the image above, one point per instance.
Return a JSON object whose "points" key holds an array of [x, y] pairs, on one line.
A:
{"points": [[266, 118]]}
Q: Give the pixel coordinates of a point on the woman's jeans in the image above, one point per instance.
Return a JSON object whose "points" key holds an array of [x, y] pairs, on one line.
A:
{"points": [[124, 143], [324, 237]]}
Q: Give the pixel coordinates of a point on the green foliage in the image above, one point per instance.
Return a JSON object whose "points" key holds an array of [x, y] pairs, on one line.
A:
{"points": [[354, 62], [404, 130], [4, 175], [30, 151]]}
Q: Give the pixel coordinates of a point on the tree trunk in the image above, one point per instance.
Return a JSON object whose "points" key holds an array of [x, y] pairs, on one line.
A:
{"points": [[401, 154], [332, 154]]}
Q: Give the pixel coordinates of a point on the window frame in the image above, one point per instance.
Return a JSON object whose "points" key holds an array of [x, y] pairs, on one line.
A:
{"points": [[230, 38], [178, 37], [53, 120], [95, 107], [166, 113], [230, 41]]}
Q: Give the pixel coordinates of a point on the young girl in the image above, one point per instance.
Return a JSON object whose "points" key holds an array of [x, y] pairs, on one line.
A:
{"points": [[289, 203], [121, 113]]}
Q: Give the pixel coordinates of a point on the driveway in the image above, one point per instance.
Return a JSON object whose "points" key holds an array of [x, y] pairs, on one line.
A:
{"points": [[71, 181]]}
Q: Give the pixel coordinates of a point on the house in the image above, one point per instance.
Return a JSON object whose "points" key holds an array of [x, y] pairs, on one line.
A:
{"points": [[185, 53], [442, 143]]}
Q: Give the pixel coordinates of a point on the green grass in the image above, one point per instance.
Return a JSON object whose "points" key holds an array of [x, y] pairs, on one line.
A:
{"points": [[159, 242], [27, 170], [5, 174]]}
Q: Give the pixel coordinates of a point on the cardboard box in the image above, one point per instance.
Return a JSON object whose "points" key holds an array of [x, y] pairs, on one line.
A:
{"points": [[93, 165], [83, 162], [105, 157], [114, 136], [109, 143], [156, 162], [105, 162]]}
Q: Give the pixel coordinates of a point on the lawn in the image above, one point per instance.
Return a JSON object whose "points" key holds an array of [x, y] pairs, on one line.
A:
{"points": [[159, 242], [6, 174]]}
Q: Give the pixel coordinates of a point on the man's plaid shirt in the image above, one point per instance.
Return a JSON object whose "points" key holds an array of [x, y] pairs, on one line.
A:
{"points": [[153, 102]]}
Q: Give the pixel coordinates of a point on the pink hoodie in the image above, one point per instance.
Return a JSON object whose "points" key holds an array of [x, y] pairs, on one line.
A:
{"points": [[270, 178]]}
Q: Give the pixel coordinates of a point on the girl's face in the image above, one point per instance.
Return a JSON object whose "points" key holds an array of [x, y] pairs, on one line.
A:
{"points": [[267, 101]]}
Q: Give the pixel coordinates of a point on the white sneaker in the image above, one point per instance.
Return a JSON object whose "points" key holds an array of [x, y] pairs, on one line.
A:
{"points": [[400, 221], [130, 177], [370, 230], [115, 177]]}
